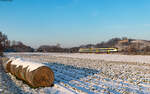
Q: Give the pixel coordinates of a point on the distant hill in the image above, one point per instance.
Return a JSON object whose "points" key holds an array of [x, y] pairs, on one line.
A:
{"points": [[139, 45], [135, 46]]}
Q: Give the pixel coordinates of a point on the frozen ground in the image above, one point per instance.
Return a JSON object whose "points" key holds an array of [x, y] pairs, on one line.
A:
{"points": [[106, 57], [90, 73]]}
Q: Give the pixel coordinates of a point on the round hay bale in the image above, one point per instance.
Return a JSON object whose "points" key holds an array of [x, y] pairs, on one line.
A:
{"points": [[35, 74], [23, 73], [8, 65], [12, 69], [43, 75], [6, 62], [18, 72]]}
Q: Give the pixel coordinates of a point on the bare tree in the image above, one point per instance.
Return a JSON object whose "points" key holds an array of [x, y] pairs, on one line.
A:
{"points": [[3, 42]]}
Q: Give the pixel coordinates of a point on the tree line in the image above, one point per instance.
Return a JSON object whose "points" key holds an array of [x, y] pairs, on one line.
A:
{"points": [[18, 46]]}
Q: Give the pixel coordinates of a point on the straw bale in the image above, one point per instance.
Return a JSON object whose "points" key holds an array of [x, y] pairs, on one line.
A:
{"points": [[40, 77]]}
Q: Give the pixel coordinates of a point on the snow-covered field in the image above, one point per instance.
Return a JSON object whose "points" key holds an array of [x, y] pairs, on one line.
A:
{"points": [[90, 73]]}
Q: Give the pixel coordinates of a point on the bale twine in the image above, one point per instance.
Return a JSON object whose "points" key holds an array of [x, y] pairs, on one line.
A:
{"points": [[34, 74]]}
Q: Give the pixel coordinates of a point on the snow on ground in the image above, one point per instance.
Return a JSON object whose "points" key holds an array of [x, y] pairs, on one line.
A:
{"points": [[10, 85], [91, 73], [106, 57], [7, 86]]}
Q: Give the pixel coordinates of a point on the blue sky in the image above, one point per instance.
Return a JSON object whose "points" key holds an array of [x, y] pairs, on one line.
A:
{"points": [[74, 22]]}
